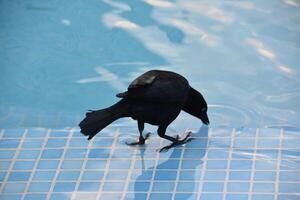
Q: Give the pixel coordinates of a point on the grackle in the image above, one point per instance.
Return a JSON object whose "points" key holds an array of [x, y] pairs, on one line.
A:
{"points": [[156, 97]]}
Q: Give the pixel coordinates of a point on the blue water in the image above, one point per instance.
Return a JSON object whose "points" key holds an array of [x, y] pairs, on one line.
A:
{"points": [[60, 58]]}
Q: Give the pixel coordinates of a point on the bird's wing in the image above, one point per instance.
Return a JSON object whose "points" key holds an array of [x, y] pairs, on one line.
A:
{"points": [[157, 86]]}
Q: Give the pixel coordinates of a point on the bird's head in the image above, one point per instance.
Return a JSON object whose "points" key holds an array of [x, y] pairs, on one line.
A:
{"points": [[196, 106]]}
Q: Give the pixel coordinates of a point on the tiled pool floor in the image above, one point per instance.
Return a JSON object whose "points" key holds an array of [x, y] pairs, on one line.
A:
{"points": [[220, 164]]}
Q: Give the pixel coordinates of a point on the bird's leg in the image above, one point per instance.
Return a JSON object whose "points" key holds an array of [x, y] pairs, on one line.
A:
{"points": [[141, 138], [176, 141]]}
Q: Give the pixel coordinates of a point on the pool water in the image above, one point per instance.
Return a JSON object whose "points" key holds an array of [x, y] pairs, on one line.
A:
{"points": [[61, 58]]}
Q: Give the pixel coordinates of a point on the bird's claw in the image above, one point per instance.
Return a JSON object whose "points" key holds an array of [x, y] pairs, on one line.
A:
{"points": [[185, 140], [140, 142]]}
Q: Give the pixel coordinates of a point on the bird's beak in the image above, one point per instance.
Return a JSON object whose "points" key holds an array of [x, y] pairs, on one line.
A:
{"points": [[204, 118]]}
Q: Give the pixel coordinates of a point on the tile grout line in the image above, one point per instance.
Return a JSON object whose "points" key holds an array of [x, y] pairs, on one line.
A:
{"points": [[13, 160], [178, 172], [128, 178], [228, 164], [278, 165], [36, 163], [154, 170], [113, 147], [253, 164], [53, 182], [73, 196], [203, 167]]}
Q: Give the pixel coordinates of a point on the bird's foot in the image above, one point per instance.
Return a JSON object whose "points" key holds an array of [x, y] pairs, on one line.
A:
{"points": [[178, 142], [140, 142]]}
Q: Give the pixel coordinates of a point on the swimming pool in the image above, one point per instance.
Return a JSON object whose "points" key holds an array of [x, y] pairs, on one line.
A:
{"points": [[61, 58]]}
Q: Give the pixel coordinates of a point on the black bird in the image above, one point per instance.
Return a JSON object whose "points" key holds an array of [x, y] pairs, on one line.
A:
{"points": [[156, 97]]}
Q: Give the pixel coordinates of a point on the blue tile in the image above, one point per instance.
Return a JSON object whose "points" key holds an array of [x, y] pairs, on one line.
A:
{"points": [[165, 175], [79, 142], [35, 197], [220, 154], [239, 175], [288, 197], [23, 165], [189, 175], [163, 186], [120, 164], [265, 176], [52, 153], [29, 154], [2, 176], [221, 132], [32, 143], [39, 187], [71, 164], [291, 143], [186, 186], [38, 132], [293, 176], [164, 196], [75, 153], [43, 175], [290, 154], [113, 186], [140, 164], [102, 142], [268, 143], [68, 175], [60, 196], [4, 165], [269, 132], [10, 197], [13, 133], [48, 164], [243, 143], [7, 154], [211, 196], [219, 142], [263, 197], [216, 164], [182, 196], [98, 153], [263, 187], [289, 188], [191, 164], [265, 164], [59, 133], [92, 175], [270, 154], [56, 143], [170, 164], [116, 175], [139, 196], [241, 164], [19, 176], [238, 187], [138, 186], [9, 143], [120, 153], [214, 175], [64, 186], [95, 164], [289, 164], [236, 197], [212, 187], [193, 153], [14, 188], [176, 153], [111, 196], [89, 186], [143, 175], [245, 132], [243, 154]]}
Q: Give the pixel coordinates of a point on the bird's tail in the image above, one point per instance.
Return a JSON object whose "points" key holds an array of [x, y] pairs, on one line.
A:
{"points": [[97, 120]]}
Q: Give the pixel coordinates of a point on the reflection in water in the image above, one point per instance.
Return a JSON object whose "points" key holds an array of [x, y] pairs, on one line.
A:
{"points": [[199, 143], [218, 45]]}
